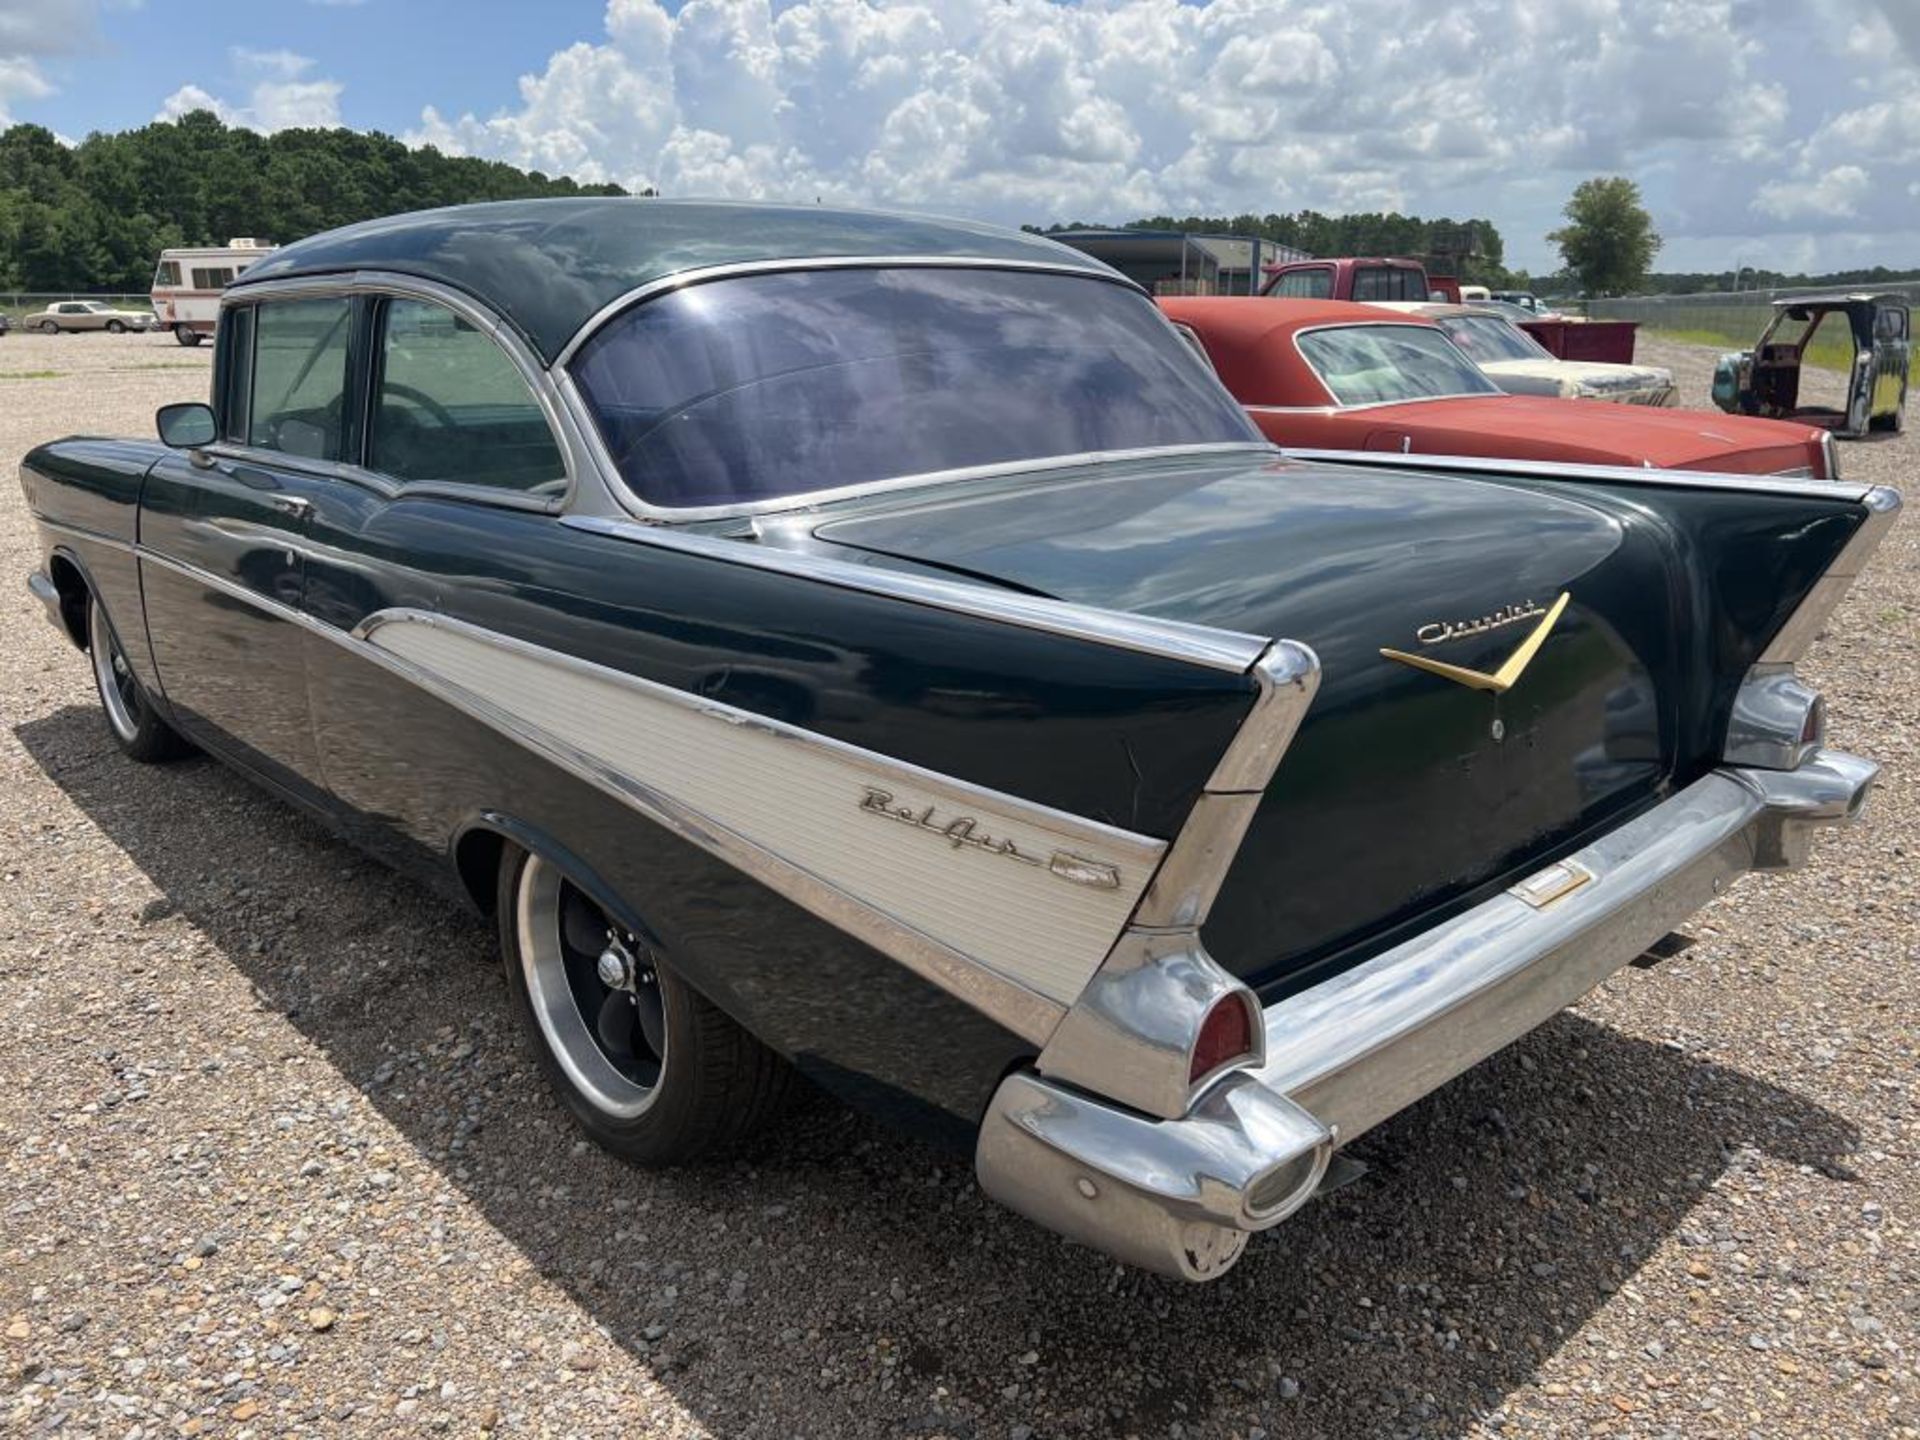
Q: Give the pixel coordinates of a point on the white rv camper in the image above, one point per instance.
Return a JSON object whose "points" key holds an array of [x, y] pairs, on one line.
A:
{"points": [[187, 284]]}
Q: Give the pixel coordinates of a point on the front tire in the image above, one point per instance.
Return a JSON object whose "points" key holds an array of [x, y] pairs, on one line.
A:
{"points": [[186, 335], [131, 718], [116, 327], [649, 1068]]}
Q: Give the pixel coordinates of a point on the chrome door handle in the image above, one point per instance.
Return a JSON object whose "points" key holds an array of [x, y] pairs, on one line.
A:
{"points": [[298, 506]]}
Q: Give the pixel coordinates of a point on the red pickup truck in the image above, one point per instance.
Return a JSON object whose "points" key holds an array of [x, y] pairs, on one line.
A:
{"points": [[1375, 278]]}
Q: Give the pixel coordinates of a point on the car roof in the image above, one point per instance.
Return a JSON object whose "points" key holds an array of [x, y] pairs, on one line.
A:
{"points": [[1854, 297], [550, 266]]}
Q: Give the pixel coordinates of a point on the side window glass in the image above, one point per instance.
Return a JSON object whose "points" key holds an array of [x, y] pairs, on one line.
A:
{"points": [[451, 407], [298, 398]]}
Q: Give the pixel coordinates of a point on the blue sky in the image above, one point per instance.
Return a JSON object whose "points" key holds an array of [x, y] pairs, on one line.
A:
{"points": [[1782, 133]]}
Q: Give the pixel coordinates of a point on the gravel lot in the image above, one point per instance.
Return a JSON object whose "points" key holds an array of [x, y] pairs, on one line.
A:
{"points": [[275, 1160]]}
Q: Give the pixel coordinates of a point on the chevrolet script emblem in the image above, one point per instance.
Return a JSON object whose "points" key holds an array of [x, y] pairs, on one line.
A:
{"points": [[1503, 679]]}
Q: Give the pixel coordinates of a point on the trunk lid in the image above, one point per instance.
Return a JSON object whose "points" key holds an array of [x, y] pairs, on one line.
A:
{"points": [[1404, 790]]}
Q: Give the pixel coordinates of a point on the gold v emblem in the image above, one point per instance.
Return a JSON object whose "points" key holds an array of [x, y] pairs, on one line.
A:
{"points": [[1501, 680]]}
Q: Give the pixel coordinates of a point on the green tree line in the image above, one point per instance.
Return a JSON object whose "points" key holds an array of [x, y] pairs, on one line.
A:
{"points": [[1469, 249], [96, 216]]}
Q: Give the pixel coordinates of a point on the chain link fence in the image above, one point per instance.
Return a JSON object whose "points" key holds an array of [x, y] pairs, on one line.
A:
{"points": [[19, 304], [1734, 317]]}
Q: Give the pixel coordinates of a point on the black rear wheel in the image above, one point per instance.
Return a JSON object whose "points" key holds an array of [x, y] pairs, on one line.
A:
{"points": [[650, 1069], [131, 719]]}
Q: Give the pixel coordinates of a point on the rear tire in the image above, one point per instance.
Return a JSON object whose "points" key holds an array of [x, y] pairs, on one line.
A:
{"points": [[136, 728], [649, 1068], [186, 335], [47, 327]]}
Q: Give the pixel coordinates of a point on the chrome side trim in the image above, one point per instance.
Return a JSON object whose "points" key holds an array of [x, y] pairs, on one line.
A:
{"points": [[1883, 508], [1562, 470], [1030, 894], [1131, 1033], [1179, 1195], [705, 273], [81, 532], [1169, 639], [1017, 1006]]}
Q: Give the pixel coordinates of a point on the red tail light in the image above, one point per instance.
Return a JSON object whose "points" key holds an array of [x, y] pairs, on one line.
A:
{"points": [[1226, 1034]]}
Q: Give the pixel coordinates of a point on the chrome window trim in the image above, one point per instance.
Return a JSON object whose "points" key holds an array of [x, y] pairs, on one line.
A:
{"points": [[701, 274], [1385, 324], [575, 456], [1574, 470], [1201, 645], [567, 390]]}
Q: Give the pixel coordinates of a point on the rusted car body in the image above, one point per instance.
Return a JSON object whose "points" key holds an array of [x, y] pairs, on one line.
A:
{"points": [[1766, 380]]}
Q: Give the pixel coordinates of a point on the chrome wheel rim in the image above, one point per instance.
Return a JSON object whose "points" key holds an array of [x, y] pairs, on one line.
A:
{"points": [[119, 691], [594, 992]]}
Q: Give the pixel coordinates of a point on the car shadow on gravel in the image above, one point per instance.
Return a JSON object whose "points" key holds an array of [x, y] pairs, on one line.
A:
{"points": [[840, 1280]]}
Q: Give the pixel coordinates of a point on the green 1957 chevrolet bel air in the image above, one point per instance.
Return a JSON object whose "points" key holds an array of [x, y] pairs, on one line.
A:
{"points": [[878, 649]]}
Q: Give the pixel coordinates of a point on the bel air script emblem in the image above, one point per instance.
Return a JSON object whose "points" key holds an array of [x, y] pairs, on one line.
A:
{"points": [[963, 832]]}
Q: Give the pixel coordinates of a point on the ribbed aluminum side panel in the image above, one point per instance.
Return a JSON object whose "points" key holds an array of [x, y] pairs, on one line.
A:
{"points": [[801, 797]]}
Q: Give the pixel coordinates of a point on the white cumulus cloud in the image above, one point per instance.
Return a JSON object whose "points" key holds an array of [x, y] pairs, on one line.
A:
{"points": [[1026, 109], [1835, 194], [279, 93]]}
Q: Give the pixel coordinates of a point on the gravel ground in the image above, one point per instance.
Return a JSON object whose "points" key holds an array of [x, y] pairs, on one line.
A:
{"points": [[275, 1161]]}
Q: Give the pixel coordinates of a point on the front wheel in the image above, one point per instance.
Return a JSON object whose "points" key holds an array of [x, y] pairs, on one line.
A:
{"points": [[186, 335], [116, 327], [131, 719], [650, 1069]]}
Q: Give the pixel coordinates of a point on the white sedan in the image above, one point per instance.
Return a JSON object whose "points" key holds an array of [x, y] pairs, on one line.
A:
{"points": [[1520, 365], [70, 315]]}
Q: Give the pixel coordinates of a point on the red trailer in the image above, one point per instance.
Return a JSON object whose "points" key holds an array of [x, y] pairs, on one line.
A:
{"points": [[1610, 341]]}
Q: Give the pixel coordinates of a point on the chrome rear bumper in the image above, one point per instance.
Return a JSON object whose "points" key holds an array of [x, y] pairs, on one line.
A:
{"points": [[1181, 1196]]}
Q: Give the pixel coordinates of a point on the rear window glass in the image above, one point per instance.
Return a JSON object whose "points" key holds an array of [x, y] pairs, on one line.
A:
{"points": [[1389, 282], [1487, 338], [1369, 364], [1316, 284], [768, 386]]}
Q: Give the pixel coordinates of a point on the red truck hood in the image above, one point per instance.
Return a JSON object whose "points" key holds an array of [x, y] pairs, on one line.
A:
{"points": [[1541, 428]]}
